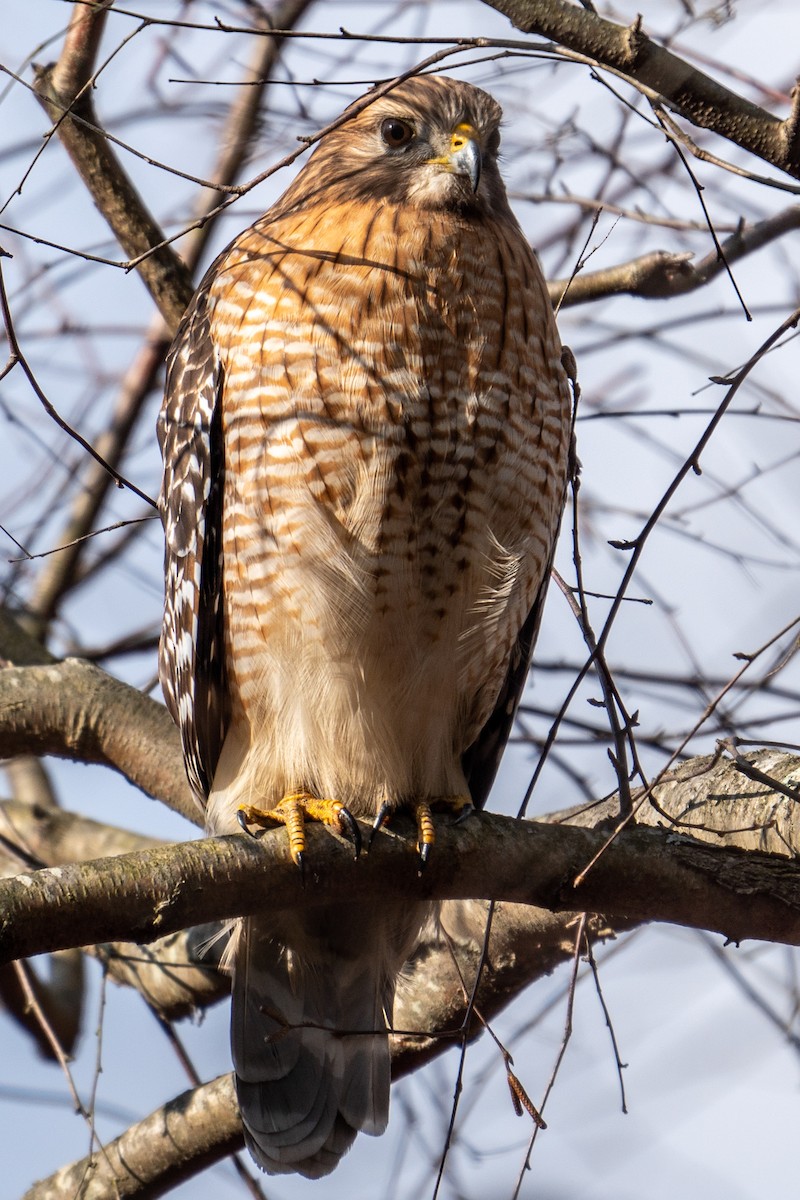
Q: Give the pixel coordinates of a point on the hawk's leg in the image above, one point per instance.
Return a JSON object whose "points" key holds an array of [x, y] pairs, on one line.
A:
{"points": [[293, 811], [459, 807]]}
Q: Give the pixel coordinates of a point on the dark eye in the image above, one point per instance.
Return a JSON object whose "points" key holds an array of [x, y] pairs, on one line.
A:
{"points": [[395, 132]]}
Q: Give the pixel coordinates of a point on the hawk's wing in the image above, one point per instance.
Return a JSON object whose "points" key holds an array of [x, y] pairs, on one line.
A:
{"points": [[192, 652], [481, 760]]}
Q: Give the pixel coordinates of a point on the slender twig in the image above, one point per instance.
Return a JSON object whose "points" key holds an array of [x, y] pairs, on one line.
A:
{"points": [[580, 934], [607, 1016], [22, 971], [50, 409]]}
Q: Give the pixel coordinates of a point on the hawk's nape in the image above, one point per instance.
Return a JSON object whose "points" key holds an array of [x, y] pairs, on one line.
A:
{"points": [[365, 436]]}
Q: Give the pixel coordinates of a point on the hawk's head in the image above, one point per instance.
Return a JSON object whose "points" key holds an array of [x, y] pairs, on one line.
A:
{"points": [[431, 142]]}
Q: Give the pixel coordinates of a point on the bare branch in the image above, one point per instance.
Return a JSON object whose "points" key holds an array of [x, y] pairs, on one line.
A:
{"points": [[71, 75], [660, 275], [241, 125], [173, 1144], [75, 710], [65, 90], [136, 385], [50, 836], [204, 1125], [169, 973], [642, 874], [56, 1013], [684, 89], [18, 358], [17, 646]]}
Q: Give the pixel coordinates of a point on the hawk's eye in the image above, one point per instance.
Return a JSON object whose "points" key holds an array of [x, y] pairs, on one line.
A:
{"points": [[396, 132]]}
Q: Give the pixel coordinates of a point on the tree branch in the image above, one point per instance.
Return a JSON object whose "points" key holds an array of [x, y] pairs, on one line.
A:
{"points": [[203, 1124], [175, 1143], [71, 76], [683, 88], [643, 875], [64, 90], [75, 710], [169, 973], [661, 275]]}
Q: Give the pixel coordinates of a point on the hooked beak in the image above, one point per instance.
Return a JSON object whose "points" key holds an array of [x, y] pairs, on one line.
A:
{"points": [[465, 154]]}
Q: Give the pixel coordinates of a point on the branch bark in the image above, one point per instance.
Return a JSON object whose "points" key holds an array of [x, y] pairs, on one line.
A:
{"points": [[170, 974], [642, 875], [64, 90], [645, 869], [173, 1144], [203, 1124], [75, 710], [660, 275], [628, 51]]}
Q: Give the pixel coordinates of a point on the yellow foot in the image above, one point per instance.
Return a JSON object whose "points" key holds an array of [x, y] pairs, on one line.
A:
{"points": [[293, 811], [459, 807]]}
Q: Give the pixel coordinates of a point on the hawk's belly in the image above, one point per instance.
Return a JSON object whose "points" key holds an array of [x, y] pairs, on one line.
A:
{"points": [[376, 590]]}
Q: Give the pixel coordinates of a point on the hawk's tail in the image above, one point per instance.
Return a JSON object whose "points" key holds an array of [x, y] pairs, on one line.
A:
{"points": [[308, 1031]]}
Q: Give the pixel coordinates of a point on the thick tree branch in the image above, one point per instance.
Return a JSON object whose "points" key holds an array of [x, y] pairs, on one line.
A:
{"points": [[204, 1125], [75, 710], [709, 796], [48, 836], [168, 973], [174, 974], [683, 88], [644, 874], [173, 1144]]}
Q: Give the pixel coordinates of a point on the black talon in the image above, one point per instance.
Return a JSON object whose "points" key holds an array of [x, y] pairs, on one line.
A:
{"points": [[384, 812], [300, 861], [242, 819], [351, 830], [424, 855], [466, 811]]}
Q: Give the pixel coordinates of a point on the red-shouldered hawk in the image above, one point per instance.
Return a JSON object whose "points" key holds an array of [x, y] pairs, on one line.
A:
{"points": [[365, 438]]}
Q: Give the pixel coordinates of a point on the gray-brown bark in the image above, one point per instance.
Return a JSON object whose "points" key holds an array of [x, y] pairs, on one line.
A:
{"points": [[77, 711], [629, 52], [642, 874]]}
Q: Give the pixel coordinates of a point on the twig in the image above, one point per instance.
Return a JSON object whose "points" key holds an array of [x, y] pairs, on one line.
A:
{"points": [[729, 746], [49, 408], [580, 934], [22, 971], [607, 1015]]}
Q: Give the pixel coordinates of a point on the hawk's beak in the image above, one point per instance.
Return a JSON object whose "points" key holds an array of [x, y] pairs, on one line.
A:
{"points": [[464, 157], [465, 154]]}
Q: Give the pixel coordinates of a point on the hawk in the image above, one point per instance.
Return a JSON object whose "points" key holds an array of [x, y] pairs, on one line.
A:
{"points": [[366, 436]]}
